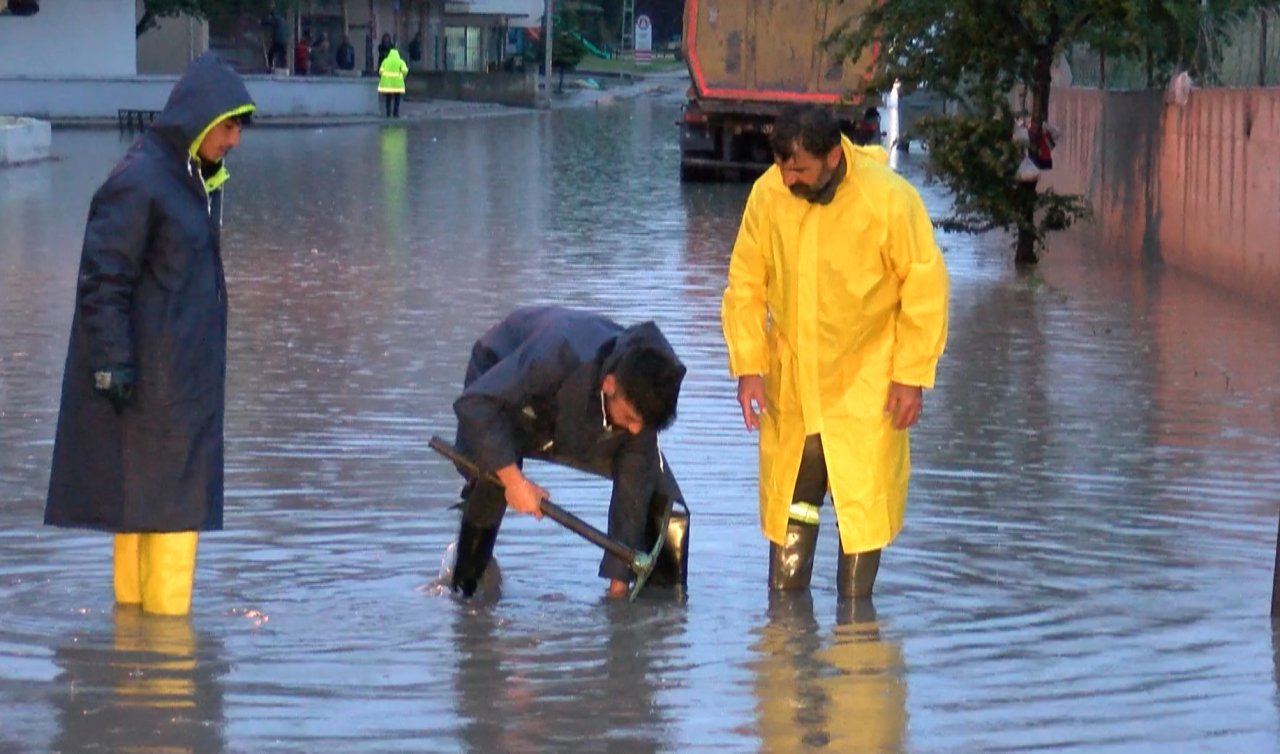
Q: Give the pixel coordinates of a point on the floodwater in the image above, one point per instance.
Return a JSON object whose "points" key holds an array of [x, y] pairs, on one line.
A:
{"points": [[1086, 566]]}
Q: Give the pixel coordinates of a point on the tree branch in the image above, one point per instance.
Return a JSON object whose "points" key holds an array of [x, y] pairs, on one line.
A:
{"points": [[957, 225], [144, 24], [1073, 28], [1016, 20]]}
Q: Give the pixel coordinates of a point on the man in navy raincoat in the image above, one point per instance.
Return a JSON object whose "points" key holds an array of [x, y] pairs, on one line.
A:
{"points": [[139, 449], [572, 387]]}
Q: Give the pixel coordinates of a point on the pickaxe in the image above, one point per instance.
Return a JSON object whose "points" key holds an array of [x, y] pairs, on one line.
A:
{"points": [[640, 563]]}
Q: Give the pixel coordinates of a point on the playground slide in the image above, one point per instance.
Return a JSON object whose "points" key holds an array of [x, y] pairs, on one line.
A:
{"points": [[535, 34], [599, 53]]}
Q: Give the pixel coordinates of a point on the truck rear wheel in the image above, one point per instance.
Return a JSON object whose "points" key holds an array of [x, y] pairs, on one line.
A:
{"points": [[692, 174]]}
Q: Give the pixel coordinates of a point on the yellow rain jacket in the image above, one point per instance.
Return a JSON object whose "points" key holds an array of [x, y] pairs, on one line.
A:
{"points": [[391, 74], [874, 152], [831, 303]]}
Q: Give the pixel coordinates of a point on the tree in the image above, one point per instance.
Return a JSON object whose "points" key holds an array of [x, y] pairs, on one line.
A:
{"points": [[567, 51], [19, 7], [979, 53], [154, 10]]}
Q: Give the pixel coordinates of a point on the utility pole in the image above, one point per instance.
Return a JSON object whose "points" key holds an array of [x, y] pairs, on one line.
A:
{"points": [[628, 46], [546, 78], [371, 62], [1262, 48]]}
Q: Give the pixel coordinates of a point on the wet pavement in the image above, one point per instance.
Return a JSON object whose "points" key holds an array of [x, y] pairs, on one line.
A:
{"points": [[1086, 566]]}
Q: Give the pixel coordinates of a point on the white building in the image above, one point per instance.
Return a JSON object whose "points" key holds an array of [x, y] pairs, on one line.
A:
{"points": [[456, 35], [81, 60], [70, 38], [96, 37]]}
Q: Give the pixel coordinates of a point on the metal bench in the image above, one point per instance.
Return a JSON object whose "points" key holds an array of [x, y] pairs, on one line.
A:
{"points": [[135, 120]]}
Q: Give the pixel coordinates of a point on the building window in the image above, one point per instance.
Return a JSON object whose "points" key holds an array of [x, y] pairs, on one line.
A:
{"points": [[462, 48]]}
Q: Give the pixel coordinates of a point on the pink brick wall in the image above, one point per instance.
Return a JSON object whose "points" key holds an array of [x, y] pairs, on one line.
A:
{"points": [[1196, 186]]}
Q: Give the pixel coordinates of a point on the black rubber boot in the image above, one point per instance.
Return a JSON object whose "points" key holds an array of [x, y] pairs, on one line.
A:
{"points": [[856, 574], [475, 551], [856, 610], [791, 565], [672, 566]]}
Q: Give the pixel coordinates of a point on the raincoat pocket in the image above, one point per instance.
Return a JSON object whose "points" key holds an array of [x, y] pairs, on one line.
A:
{"points": [[780, 381]]}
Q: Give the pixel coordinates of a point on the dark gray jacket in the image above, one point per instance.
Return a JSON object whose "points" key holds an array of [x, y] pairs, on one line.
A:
{"points": [[151, 294], [532, 389]]}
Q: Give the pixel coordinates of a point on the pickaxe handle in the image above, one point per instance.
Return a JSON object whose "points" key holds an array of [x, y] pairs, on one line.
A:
{"points": [[639, 562]]}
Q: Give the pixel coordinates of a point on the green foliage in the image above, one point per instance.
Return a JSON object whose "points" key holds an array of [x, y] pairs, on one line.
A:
{"points": [[19, 7], [568, 50], [975, 158], [976, 53], [976, 169], [154, 10], [1165, 36]]}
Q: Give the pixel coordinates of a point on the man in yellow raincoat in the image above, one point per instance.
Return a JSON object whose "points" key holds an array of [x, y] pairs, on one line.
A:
{"points": [[391, 81], [835, 316]]}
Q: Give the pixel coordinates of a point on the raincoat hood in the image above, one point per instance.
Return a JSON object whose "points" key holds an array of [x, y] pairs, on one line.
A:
{"points": [[645, 334], [207, 94], [393, 58]]}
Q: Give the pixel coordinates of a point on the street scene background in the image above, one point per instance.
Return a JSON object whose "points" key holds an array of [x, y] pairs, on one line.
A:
{"points": [[1086, 564]]}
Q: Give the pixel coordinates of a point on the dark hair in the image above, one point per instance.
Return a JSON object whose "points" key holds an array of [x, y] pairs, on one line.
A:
{"points": [[650, 379], [813, 128]]}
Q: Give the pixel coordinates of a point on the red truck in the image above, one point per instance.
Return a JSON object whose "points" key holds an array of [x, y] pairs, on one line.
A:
{"points": [[749, 58]]}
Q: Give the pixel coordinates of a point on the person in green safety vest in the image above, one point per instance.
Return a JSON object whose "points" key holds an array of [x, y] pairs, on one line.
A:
{"points": [[391, 81]]}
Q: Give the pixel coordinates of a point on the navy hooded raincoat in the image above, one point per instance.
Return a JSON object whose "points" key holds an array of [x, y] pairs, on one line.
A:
{"points": [[151, 294], [533, 390]]}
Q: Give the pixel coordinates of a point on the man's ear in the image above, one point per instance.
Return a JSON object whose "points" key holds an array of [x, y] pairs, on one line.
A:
{"points": [[609, 385], [833, 157]]}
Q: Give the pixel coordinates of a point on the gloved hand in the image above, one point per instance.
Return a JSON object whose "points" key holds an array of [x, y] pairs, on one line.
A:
{"points": [[115, 383]]}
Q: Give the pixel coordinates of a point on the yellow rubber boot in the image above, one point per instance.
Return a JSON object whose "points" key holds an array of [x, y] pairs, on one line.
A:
{"points": [[128, 578], [168, 572]]}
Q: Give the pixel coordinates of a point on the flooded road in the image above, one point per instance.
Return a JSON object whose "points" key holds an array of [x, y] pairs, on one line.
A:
{"points": [[1086, 565]]}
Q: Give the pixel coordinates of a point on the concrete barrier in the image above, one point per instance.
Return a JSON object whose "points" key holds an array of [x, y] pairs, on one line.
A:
{"points": [[517, 89], [70, 99], [1195, 186], [23, 140]]}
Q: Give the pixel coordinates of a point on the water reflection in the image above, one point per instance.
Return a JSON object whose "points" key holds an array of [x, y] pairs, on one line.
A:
{"points": [[600, 692], [1275, 656], [152, 687], [843, 692], [394, 151], [869, 688]]}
